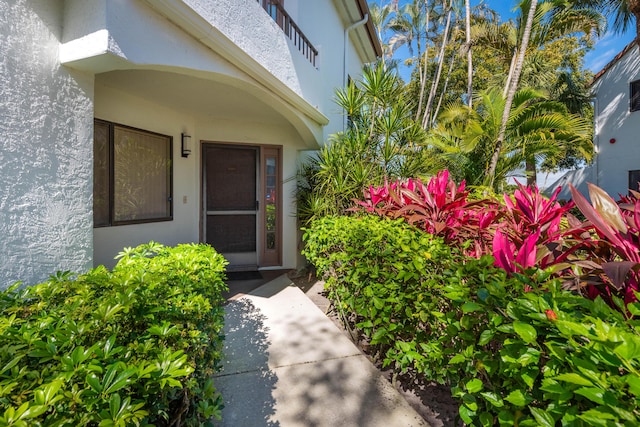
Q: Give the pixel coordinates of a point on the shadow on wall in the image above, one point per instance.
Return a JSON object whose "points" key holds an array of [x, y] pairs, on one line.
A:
{"points": [[246, 355], [614, 95], [579, 178]]}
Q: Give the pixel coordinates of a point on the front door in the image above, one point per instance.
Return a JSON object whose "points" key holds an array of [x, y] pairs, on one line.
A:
{"points": [[231, 202]]}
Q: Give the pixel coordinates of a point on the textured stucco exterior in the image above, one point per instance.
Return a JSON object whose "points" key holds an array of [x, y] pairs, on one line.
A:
{"points": [[46, 122], [221, 71]]}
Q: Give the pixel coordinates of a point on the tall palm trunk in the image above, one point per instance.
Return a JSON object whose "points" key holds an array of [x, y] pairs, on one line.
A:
{"points": [[634, 9], [467, 7], [452, 62], [423, 63], [436, 80], [531, 171], [512, 67], [513, 86]]}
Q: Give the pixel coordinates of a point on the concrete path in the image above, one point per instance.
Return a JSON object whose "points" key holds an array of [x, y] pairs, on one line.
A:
{"points": [[286, 364]]}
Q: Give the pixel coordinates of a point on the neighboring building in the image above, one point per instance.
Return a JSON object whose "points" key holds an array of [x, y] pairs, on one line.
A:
{"points": [[616, 166], [97, 97]]}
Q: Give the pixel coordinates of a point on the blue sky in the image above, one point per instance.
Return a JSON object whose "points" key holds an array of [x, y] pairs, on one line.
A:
{"points": [[606, 48]]}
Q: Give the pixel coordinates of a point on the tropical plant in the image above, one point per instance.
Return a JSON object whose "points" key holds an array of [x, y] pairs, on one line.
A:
{"points": [[439, 208], [552, 20], [381, 142], [537, 129], [529, 233], [613, 268]]}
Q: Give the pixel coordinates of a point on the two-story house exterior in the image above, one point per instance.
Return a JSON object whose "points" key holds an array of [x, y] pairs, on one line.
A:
{"points": [[616, 94], [125, 121]]}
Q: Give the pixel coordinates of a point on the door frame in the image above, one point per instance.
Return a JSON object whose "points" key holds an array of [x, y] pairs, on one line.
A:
{"points": [[265, 257]]}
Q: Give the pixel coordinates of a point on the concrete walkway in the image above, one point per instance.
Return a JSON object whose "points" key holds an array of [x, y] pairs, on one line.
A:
{"points": [[286, 364]]}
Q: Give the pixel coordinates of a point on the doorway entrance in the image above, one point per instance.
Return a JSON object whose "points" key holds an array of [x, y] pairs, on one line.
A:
{"points": [[242, 204]]}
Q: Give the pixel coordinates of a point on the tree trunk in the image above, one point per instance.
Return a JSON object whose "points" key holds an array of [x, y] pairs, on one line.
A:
{"points": [[444, 88], [467, 7], [513, 86], [436, 80], [422, 63], [530, 169], [634, 9], [512, 67]]}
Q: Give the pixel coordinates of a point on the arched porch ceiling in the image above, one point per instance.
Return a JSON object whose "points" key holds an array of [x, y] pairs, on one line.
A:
{"points": [[217, 97]]}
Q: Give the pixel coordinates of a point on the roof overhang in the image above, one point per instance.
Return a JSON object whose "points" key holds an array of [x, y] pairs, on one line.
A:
{"points": [[617, 58], [365, 37]]}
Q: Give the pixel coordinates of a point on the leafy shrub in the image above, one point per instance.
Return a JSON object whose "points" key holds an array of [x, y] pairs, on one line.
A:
{"points": [[541, 357], [135, 346], [601, 255], [440, 208], [545, 357], [376, 270]]}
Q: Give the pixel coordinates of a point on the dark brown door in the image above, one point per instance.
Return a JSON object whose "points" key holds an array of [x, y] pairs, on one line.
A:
{"points": [[231, 202]]}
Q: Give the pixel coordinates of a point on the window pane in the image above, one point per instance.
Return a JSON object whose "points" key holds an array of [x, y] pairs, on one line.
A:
{"points": [[231, 178], [100, 174], [634, 180], [142, 175], [232, 233], [271, 214], [635, 95]]}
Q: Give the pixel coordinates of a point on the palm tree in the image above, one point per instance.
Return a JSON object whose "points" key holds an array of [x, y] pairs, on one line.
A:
{"points": [[382, 142], [625, 11], [426, 118], [536, 129], [552, 20], [512, 85], [467, 22]]}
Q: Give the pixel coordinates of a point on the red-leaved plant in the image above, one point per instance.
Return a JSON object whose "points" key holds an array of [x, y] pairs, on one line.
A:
{"points": [[529, 233], [439, 208], [614, 267]]}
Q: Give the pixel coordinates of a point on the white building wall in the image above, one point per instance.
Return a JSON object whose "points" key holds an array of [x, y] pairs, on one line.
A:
{"points": [[46, 123], [615, 122], [267, 44]]}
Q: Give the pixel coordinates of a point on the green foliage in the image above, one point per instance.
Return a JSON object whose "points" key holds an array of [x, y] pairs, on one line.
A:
{"points": [[516, 350], [134, 346], [537, 129], [375, 270], [380, 142]]}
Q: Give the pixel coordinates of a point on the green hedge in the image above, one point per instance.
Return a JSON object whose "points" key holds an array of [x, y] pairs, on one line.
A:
{"points": [[515, 350], [134, 346]]}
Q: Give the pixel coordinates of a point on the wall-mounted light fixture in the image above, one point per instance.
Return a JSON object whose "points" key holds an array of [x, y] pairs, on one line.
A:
{"points": [[186, 145]]}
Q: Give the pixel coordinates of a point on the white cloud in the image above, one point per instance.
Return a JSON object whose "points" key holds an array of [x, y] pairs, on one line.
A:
{"points": [[594, 61]]}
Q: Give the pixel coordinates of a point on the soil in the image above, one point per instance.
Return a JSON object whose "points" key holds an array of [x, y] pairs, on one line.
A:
{"points": [[432, 401]]}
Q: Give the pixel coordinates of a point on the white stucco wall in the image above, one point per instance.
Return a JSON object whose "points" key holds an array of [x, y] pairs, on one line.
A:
{"points": [[267, 44], [615, 121], [47, 111], [46, 123]]}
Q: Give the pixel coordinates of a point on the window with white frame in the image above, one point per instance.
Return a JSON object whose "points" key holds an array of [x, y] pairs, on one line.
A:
{"points": [[132, 175]]}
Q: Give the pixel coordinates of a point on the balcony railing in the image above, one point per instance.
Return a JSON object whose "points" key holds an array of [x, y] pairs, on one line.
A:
{"points": [[276, 11]]}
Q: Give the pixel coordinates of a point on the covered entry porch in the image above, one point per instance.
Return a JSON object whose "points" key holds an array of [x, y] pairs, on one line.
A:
{"points": [[235, 187]]}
